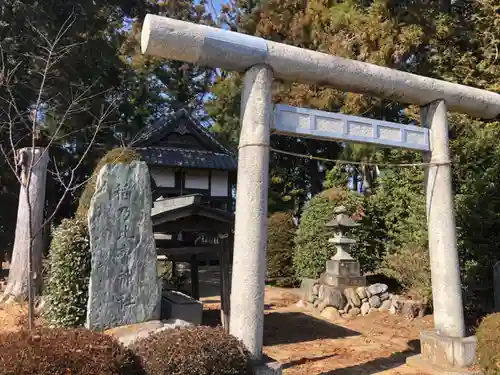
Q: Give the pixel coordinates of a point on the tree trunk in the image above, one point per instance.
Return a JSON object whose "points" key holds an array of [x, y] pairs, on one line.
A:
{"points": [[17, 285]]}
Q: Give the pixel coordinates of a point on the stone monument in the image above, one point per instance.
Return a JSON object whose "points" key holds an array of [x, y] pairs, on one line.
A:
{"points": [[342, 270], [124, 287]]}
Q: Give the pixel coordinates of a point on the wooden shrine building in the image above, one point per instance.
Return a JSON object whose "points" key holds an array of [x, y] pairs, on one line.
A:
{"points": [[208, 233], [184, 158], [193, 177]]}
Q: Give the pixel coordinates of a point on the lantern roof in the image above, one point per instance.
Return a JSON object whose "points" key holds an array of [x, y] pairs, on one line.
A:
{"points": [[341, 219]]}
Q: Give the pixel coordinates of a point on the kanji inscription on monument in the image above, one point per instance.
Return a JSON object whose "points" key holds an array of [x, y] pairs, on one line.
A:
{"points": [[123, 285]]}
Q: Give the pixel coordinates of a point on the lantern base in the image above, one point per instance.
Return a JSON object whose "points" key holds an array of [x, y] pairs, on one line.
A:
{"points": [[343, 273], [342, 282], [343, 267]]}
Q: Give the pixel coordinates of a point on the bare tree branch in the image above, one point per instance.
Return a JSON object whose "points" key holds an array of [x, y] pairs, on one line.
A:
{"points": [[68, 186], [23, 125]]}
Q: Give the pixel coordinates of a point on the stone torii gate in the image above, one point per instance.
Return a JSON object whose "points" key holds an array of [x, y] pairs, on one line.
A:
{"points": [[444, 348]]}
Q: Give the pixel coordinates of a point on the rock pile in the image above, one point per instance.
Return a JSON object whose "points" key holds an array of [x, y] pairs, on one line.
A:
{"points": [[333, 303]]}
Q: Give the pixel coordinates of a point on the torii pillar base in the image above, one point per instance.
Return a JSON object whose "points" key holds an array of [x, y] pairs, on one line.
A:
{"points": [[445, 355], [267, 366]]}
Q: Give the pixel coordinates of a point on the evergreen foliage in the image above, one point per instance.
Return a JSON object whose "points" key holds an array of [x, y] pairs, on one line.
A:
{"points": [[312, 248], [66, 291], [476, 175], [97, 68], [101, 57], [394, 224], [158, 87], [457, 43], [81, 83], [399, 202], [410, 266], [280, 246]]}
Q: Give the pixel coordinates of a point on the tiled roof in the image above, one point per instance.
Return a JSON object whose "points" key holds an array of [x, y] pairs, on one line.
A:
{"points": [[216, 157], [161, 125], [210, 136], [177, 157], [157, 127]]}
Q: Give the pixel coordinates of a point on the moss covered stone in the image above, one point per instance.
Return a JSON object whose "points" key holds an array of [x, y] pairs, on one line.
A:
{"points": [[120, 155]]}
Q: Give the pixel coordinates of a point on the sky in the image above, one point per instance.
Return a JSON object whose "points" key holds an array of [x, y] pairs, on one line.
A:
{"points": [[217, 4]]}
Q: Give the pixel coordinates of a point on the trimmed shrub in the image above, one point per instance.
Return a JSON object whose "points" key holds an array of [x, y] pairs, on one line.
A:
{"points": [[69, 271], [193, 351], [488, 345], [410, 267], [312, 248], [60, 351], [280, 245], [399, 203], [120, 155]]}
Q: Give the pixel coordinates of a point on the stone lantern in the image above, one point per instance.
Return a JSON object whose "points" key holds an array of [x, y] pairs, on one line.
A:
{"points": [[342, 270]]}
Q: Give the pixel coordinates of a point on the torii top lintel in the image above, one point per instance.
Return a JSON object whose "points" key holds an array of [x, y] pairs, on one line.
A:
{"points": [[218, 48]]}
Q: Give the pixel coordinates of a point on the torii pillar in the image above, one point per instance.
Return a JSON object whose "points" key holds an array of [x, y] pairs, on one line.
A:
{"points": [[250, 229], [444, 349]]}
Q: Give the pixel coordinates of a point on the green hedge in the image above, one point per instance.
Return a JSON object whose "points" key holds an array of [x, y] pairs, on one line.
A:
{"points": [[399, 206], [66, 291], [280, 246], [312, 248]]}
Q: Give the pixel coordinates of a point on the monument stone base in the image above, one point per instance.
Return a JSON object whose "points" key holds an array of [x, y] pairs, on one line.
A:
{"points": [[177, 305], [445, 355]]}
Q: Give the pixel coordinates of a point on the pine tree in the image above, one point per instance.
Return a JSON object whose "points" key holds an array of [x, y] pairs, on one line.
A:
{"points": [[158, 86]]}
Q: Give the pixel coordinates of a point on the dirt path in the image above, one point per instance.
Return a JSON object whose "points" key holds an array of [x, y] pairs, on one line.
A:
{"points": [[307, 344]]}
